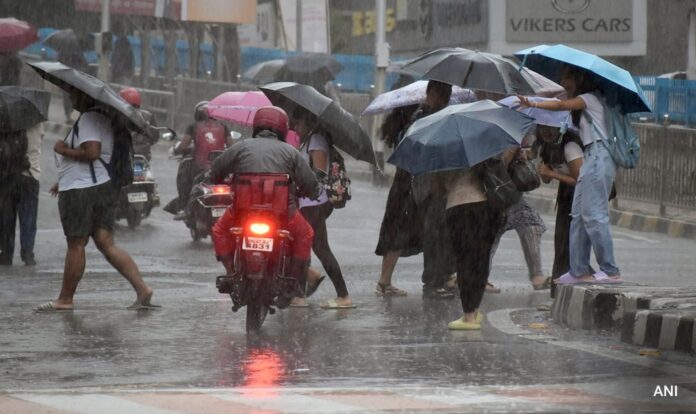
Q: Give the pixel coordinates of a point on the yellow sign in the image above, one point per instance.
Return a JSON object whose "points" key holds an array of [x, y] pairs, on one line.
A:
{"points": [[219, 11]]}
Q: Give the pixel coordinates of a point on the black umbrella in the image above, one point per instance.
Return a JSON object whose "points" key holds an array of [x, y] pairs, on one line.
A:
{"points": [[70, 79], [471, 69], [345, 131], [309, 68], [22, 108], [264, 72]]}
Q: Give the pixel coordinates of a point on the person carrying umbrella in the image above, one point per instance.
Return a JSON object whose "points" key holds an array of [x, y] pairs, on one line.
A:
{"points": [[87, 192], [590, 226]]}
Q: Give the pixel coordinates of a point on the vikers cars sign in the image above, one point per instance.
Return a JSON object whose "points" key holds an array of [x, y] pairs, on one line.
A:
{"points": [[572, 21]]}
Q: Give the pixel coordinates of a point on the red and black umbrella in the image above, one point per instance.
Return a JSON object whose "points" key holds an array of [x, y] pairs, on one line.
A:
{"points": [[16, 34]]}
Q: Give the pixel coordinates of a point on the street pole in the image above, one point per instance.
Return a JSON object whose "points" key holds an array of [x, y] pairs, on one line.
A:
{"points": [[381, 63], [664, 165], [298, 25], [103, 51]]}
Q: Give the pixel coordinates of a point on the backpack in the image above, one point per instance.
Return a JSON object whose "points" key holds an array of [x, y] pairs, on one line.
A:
{"points": [[336, 183], [622, 141], [499, 188], [120, 167], [13, 155]]}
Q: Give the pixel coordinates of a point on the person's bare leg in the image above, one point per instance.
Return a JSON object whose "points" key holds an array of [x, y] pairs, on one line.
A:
{"points": [[73, 270], [122, 262], [389, 261]]}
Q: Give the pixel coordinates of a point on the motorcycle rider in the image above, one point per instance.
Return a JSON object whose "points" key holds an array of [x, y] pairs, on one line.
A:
{"points": [[269, 153], [207, 135], [141, 142]]}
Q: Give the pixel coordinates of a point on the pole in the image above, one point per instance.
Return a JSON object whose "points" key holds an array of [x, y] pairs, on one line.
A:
{"points": [[103, 52], [381, 63], [298, 25], [220, 67], [665, 163]]}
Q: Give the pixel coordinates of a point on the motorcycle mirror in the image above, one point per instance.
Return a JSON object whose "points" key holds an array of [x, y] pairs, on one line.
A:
{"points": [[235, 135], [168, 135]]}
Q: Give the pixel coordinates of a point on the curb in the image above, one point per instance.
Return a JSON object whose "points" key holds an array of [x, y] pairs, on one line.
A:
{"points": [[661, 318]]}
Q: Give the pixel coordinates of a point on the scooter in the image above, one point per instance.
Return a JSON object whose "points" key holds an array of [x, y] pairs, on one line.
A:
{"points": [[207, 203], [262, 246], [137, 200]]}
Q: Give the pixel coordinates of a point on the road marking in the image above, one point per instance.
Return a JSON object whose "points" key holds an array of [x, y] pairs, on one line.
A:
{"points": [[500, 320], [91, 403]]}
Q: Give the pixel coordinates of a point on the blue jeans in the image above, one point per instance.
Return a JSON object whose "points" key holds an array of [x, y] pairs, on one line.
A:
{"points": [[590, 227]]}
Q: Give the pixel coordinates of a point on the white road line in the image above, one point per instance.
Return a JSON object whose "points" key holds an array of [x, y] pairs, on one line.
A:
{"points": [[500, 320], [286, 402], [91, 403]]}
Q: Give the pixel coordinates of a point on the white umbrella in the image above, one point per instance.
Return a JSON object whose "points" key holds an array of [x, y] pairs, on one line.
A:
{"points": [[411, 94]]}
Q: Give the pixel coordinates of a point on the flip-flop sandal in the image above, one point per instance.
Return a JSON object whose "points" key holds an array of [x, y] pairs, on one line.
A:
{"points": [[49, 307], [331, 304], [545, 285], [143, 306], [313, 288], [490, 288], [568, 279], [602, 278]]}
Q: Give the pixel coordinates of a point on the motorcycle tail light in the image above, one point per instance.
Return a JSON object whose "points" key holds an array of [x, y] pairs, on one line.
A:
{"points": [[259, 228], [221, 189]]}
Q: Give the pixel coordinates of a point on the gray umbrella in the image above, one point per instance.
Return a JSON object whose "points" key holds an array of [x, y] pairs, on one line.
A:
{"points": [[345, 131], [22, 108], [264, 72], [460, 136], [68, 78], [471, 69]]}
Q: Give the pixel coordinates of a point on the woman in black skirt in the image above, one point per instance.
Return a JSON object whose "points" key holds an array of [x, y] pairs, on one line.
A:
{"points": [[401, 232]]}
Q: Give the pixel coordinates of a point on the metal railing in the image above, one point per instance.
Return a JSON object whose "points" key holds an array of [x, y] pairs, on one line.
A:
{"points": [[673, 97]]}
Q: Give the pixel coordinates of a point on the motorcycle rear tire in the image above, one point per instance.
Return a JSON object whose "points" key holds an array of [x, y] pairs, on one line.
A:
{"points": [[255, 315], [133, 219], [195, 235]]}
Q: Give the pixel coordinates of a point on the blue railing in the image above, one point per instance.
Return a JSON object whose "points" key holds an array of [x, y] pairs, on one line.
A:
{"points": [[673, 97]]}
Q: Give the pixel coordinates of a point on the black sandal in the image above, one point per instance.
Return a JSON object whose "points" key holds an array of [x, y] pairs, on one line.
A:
{"points": [[545, 285]]}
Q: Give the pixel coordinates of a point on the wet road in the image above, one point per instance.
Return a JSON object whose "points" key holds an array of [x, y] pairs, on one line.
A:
{"points": [[386, 355]]}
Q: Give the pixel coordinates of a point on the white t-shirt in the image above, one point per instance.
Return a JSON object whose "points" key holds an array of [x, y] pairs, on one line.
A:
{"points": [[594, 108], [571, 151], [74, 174], [316, 142]]}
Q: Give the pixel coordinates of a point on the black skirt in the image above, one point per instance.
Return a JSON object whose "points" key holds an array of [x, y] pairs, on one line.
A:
{"points": [[402, 225]]}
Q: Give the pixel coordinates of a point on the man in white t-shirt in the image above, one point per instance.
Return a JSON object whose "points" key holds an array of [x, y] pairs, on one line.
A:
{"points": [[87, 202]]}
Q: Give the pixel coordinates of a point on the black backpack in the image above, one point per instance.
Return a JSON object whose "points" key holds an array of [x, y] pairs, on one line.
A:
{"points": [[120, 167], [336, 183], [13, 155], [499, 188]]}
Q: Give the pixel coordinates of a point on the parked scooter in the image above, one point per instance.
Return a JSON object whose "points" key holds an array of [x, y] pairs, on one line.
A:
{"points": [[137, 200], [207, 203], [262, 246]]}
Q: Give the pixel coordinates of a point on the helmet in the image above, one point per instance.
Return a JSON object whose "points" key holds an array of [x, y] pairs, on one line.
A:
{"points": [[131, 95], [200, 111], [273, 118]]}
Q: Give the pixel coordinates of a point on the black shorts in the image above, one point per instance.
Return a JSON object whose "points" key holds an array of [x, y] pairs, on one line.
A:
{"points": [[84, 210]]}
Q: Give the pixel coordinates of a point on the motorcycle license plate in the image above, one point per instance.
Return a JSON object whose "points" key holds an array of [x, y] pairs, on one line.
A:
{"points": [[137, 197], [261, 244], [218, 212]]}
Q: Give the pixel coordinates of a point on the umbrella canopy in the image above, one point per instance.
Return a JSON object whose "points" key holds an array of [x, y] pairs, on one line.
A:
{"points": [[413, 94], [65, 40], [471, 69], [237, 107], [22, 108], [16, 34], [460, 136], [68, 79], [616, 84], [313, 69], [264, 72], [556, 119], [345, 131], [542, 85]]}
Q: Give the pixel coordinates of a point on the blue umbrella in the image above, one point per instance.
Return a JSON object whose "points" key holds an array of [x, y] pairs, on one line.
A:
{"points": [[460, 136], [616, 84]]}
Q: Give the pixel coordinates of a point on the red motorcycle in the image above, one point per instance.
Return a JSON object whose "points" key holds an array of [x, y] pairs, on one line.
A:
{"points": [[262, 246]]}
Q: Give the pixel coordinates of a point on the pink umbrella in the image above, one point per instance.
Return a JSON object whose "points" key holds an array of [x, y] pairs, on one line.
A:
{"points": [[237, 107], [16, 34]]}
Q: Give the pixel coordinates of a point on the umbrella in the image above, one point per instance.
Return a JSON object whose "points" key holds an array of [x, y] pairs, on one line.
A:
{"points": [[556, 119], [543, 86], [68, 79], [65, 40], [616, 84], [264, 72], [309, 68], [237, 107], [460, 136], [471, 69], [345, 131], [16, 34], [411, 94], [22, 108]]}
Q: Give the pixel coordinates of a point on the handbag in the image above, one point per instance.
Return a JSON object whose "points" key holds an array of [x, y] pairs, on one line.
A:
{"points": [[498, 187], [524, 175]]}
